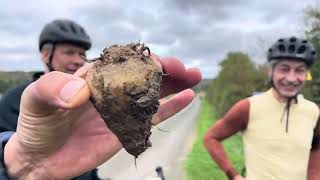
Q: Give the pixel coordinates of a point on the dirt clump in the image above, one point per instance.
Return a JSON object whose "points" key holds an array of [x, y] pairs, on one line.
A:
{"points": [[124, 84]]}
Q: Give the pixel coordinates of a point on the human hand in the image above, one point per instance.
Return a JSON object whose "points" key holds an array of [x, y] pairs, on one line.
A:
{"points": [[238, 177], [177, 76], [60, 135]]}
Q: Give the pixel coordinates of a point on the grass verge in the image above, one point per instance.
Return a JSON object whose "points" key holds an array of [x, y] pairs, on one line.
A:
{"points": [[198, 164]]}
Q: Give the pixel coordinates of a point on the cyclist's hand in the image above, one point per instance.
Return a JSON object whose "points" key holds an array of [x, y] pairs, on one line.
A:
{"points": [[238, 177], [60, 135]]}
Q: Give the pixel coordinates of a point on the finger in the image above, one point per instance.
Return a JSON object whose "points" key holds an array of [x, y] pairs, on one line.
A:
{"points": [[173, 105], [172, 67], [172, 85], [55, 90], [82, 72], [193, 77]]}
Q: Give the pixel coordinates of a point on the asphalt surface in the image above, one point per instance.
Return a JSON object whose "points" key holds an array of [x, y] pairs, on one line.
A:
{"points": [[168, 150]]}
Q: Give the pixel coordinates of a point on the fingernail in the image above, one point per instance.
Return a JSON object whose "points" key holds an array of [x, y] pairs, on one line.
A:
{"points": [[70, 89]]}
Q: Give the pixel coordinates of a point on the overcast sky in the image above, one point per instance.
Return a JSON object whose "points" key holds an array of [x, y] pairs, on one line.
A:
{"points": [[199, 32]]}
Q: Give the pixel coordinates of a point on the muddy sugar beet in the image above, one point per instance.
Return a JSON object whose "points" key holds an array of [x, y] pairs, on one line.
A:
{"points": [[124, 84]]}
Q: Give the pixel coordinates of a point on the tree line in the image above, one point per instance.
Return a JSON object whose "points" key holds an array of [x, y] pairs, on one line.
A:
{"points": [[12, 78], [239, 77]]}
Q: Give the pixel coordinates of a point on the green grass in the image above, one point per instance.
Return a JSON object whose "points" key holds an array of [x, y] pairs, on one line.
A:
{"points": [[199, 165]]}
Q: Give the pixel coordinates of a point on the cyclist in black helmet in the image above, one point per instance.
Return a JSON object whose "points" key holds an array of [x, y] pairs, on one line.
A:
{"points": [[62, 42], [281, 130], [59, 134]]}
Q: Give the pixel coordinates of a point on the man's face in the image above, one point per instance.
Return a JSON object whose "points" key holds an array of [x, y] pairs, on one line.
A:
{"points": [[67, 58], [289, 77]]}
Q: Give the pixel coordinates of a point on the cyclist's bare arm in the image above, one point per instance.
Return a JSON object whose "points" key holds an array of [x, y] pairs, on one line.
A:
{"points": [[314, 160], [234, 121]]}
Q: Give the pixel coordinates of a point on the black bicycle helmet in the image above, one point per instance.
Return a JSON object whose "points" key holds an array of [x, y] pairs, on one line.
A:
{"points": [[292, 48], [64, 31]]}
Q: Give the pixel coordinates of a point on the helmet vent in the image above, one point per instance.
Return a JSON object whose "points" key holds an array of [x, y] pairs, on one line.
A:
{"points": [[291, 48], [73, 29], [82, 31], [282, 48], [293, 39], [63, 28], [301, 49]]}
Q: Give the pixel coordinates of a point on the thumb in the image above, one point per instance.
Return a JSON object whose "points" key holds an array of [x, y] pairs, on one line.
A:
{"points": [[45, 120], [55, 90]]}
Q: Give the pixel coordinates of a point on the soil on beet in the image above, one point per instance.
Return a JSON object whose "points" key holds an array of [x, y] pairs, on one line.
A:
{"points": [[124, 84]]}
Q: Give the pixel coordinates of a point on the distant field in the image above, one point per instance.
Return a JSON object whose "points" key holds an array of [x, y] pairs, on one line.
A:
{"points": [[198, 165]]}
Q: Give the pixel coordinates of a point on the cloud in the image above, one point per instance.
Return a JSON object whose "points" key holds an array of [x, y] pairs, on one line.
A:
{"points": [[215, 9], [200, 33]]}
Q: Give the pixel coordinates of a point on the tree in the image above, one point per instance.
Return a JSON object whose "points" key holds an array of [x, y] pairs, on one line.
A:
{"points": [[239, 78], [312, 18]]}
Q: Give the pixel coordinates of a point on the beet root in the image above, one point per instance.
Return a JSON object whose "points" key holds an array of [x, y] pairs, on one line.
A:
{"points": [[124, 85]]}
